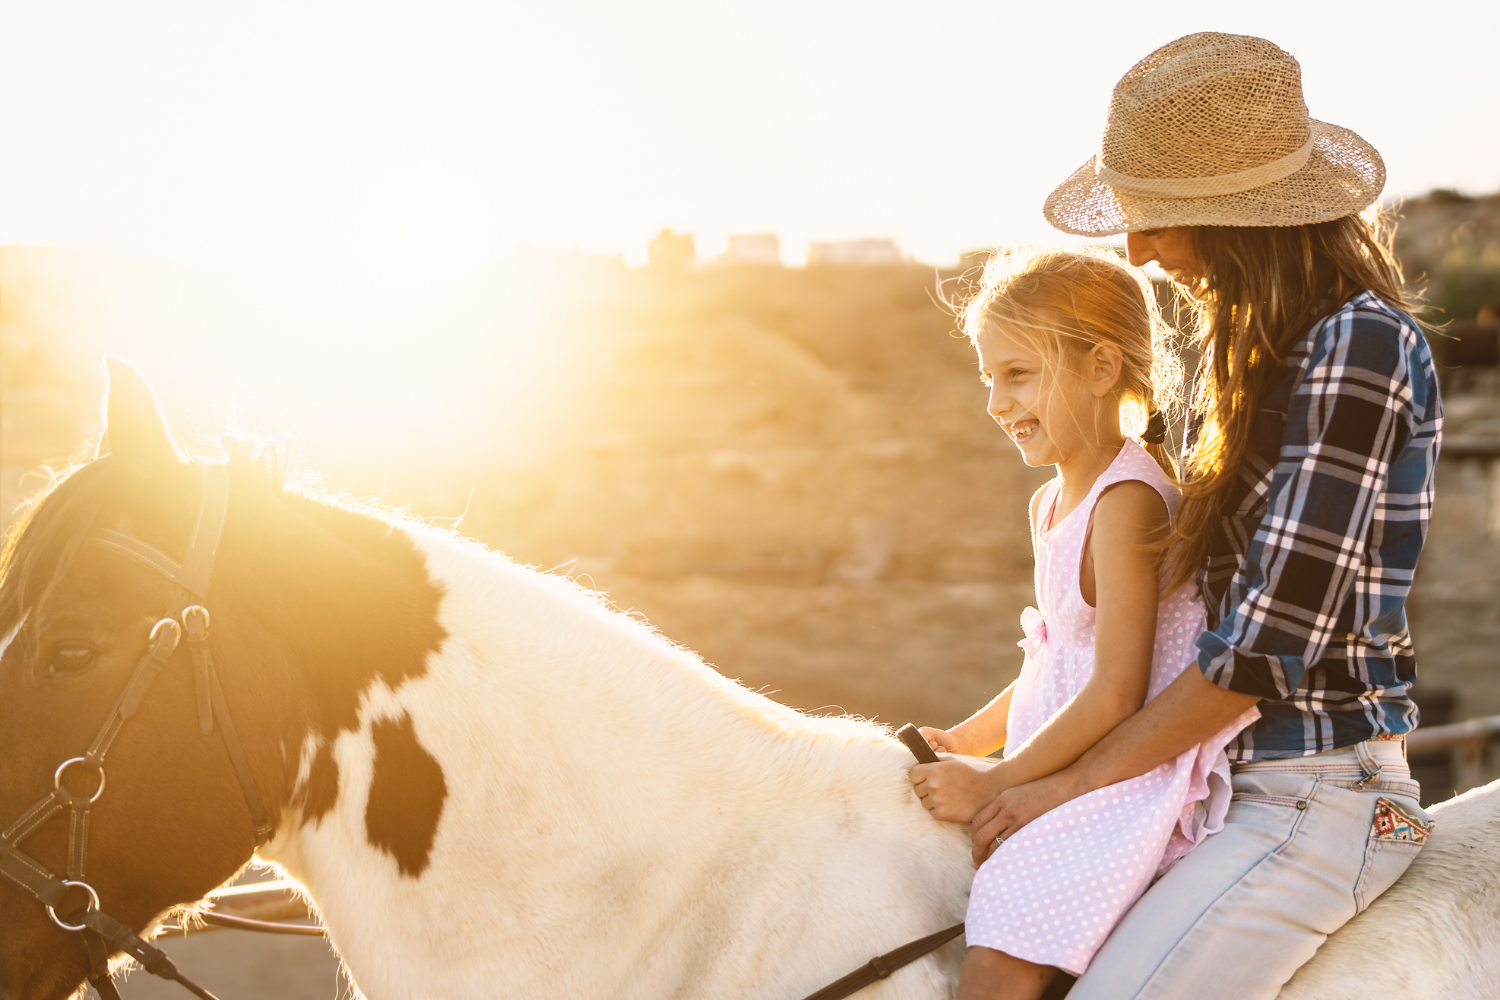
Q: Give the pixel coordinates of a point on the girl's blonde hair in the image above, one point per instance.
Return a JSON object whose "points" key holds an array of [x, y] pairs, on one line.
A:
{"points": [[1064, 303]]}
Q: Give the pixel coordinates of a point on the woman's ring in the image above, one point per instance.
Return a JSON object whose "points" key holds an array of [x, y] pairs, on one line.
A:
{"points": [[999, 841]]}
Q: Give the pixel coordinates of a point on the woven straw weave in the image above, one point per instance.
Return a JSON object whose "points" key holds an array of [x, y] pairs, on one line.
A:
{"points": [[1212, 130]]}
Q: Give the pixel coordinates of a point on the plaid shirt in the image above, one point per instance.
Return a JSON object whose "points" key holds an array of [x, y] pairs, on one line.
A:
{"points": [[1308, 571]]}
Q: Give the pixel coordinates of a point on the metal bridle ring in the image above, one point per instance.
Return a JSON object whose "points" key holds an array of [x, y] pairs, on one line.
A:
{"points": [[93, 905], [61, 789]]}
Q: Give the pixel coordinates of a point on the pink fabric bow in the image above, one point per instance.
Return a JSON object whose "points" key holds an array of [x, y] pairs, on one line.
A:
{"points": [[1035, 627]]}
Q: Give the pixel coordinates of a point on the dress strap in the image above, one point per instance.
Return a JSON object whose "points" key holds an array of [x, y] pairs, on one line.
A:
{"points": [[1133, 464]]}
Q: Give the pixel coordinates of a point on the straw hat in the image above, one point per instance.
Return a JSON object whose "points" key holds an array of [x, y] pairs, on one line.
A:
{"points": [[1211, 130]]}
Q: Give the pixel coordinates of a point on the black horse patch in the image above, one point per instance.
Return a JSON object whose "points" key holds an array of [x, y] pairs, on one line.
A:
{"points": [[406, 795]]}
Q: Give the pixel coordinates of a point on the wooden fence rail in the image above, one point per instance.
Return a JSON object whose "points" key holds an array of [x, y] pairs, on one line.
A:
{"points": [[1466, 740]]}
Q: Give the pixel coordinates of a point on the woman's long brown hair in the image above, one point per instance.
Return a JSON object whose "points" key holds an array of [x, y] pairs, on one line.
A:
{"points": [[1262, 288]]}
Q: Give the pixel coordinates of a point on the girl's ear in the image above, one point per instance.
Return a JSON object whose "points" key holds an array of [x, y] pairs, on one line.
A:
{"points": [[1106, 362]]}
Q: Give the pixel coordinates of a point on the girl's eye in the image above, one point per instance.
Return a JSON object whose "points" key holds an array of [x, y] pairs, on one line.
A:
{"points": [[985, 380], [70, 661]]}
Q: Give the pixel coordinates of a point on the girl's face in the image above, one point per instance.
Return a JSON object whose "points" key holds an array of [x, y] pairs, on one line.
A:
{"points": [[1049, 414]]}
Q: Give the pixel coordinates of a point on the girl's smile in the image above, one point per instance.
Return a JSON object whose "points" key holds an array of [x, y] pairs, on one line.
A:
{"points": [[1021, 431]]}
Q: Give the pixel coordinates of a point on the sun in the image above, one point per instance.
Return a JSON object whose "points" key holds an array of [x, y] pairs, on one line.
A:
{"points": [[421, 224]]}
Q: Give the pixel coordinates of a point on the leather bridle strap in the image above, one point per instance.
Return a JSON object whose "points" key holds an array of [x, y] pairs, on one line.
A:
{"points": [[203, 544], [100, 933], [51, 892]]}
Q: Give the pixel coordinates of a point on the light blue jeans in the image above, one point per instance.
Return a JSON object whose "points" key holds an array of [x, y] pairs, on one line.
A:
{"points": [[1308, 843]]}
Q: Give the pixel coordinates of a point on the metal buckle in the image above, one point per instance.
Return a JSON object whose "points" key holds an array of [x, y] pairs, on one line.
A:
{"points": [[93, 905], [195, 619], [64, 791]]}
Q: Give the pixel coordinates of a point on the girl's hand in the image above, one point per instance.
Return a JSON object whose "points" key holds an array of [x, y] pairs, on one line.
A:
{"points": [[954, 788], [1013, 809], [941, 740]]}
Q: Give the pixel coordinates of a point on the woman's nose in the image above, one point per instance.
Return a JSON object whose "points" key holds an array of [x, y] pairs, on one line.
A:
{"points": [[1141, 249]]}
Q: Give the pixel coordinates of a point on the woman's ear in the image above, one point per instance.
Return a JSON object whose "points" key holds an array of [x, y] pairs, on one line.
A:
{"points": [[1105, 364], [135, 433]]}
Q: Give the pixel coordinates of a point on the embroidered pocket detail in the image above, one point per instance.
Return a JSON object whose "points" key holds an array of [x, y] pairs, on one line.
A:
{"points": [[1393, 823]]}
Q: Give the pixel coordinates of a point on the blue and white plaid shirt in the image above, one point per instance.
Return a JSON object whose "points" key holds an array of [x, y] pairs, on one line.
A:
{"points": [[1308, 571]]}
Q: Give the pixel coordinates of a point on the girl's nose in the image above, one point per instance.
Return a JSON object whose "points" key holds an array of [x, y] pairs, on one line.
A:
{"points": [[999, 403]]}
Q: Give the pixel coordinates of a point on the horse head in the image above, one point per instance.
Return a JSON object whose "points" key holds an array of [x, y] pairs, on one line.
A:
{"points": [[291, 595]]}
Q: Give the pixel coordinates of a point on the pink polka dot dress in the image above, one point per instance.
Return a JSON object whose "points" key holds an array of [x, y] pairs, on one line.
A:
{"points": [[1052, 892]]}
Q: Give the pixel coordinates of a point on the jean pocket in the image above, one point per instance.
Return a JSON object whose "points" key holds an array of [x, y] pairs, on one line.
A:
{"points": [[1276, 816], [1397, 832]]}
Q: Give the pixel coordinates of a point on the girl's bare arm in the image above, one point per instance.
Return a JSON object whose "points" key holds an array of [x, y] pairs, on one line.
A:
{"points": [[981, 734], [1125, 574]]}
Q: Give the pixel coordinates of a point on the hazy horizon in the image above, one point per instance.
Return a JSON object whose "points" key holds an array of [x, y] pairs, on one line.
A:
{"points": [[292, 139]]}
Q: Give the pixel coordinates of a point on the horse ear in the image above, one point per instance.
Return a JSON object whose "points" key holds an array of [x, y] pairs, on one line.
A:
{"points": [[134, 430]]}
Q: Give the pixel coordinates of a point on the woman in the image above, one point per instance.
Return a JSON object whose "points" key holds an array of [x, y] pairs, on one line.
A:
{"points": [[1308, 475]]}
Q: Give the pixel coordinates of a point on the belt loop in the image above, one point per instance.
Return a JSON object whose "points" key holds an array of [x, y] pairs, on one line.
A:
{"points": [[1367, 765]]}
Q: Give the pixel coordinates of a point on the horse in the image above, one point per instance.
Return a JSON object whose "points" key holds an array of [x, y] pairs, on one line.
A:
{"points": [[485, 778]]}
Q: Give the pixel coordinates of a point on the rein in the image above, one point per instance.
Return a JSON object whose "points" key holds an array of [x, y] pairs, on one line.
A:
{"points": [[99, 933]]}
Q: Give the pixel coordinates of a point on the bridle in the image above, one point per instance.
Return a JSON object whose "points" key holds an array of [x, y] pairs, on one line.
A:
{"points": [[99, 933]]}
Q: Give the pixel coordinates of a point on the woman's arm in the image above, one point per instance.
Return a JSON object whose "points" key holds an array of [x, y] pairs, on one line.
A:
{"points": [[1188, 712], [1125, 576]]}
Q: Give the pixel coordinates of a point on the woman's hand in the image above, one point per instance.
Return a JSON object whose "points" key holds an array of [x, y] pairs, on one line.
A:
{"points": [[1014, 808], [941, 740], [954, 788]]}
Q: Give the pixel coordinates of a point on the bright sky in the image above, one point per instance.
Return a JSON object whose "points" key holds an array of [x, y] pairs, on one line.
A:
{"points": [[294, 137]]}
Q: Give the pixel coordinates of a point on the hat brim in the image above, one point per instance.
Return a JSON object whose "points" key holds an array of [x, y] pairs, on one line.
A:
{"points": [[1343, 175]]}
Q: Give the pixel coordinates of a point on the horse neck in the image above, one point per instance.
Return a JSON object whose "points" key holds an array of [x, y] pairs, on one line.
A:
{"points": [[554, 766], [313, 606], [539, 699]]}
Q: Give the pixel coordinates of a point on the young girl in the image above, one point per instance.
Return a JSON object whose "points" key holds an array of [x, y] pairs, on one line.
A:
{"points": [[1076, 358]]}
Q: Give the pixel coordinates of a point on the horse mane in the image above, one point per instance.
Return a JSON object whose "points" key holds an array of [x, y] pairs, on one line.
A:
{"points": [[45, 540]]}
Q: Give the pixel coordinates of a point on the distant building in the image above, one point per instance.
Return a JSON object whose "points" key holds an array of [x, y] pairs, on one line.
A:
{"points": [[869, 252], [753, 250], [670, 251]]}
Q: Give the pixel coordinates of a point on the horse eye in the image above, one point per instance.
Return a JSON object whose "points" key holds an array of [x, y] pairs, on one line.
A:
{"points": [[69, 661]]}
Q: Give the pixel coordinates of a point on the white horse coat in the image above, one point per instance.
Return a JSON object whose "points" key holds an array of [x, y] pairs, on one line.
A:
{"points": [[623, 822]]}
